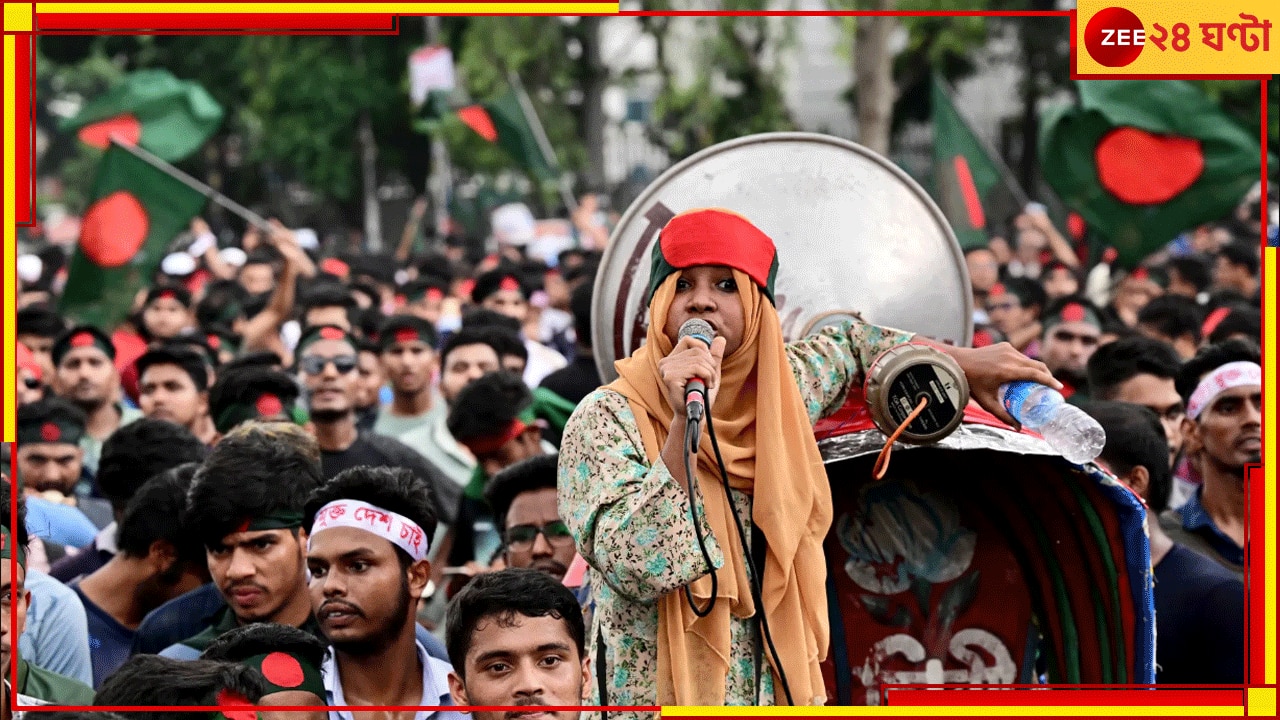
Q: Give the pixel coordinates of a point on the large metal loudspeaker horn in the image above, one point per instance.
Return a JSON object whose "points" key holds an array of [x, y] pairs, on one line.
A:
{"points": [[854, 234]]}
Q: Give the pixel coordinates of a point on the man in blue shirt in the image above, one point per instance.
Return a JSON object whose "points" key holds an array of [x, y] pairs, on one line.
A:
{"points": [[1222, 387], [158, 560], [367, 551]]}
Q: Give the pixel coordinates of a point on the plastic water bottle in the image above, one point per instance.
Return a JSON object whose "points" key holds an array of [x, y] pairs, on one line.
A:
{"points": [[1078, 437]]}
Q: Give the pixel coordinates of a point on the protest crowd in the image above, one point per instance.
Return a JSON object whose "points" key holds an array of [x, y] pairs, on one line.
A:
{"points": [[295, 472]]}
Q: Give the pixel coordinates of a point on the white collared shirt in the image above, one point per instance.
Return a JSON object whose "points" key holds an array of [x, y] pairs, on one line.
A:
{"points": [[435, 687]]}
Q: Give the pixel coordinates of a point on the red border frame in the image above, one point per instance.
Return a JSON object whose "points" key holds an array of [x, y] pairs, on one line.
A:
{"points": [[382, 24]]}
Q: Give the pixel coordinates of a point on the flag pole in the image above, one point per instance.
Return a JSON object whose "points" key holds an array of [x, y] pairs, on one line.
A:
{"points": [[544, 143], [213, 195]]}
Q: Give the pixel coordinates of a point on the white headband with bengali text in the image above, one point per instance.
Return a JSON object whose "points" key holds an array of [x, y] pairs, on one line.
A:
{"points": [[392, 527], [1231, 375]]}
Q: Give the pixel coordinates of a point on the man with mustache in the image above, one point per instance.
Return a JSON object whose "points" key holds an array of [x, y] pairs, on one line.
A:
{"points": [[85, 374], [327, 363], [523, 499], [371, 530], [173, 384], [516, 637], [245, 506], [1222, 387]]}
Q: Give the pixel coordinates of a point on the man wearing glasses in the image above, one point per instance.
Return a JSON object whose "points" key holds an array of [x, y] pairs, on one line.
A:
{"points": [[327, 364], [523, 498]]}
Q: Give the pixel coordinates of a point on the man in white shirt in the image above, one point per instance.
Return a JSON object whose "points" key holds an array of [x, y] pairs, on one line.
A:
{"points": [[367, 554]]}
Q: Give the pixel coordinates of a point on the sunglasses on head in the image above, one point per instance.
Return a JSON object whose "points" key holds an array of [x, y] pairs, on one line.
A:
{"points": [[314, 364]]}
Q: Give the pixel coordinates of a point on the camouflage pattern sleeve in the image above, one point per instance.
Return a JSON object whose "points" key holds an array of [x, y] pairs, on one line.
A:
{"points": [[630, 519], [827, 363]]}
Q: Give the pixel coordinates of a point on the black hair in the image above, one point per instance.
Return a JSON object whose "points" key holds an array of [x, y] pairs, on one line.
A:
{"points": [[506, 342], [466, 336], [391, 488], [51, 408], [255, 639], [1240, 320], [81, 715], [484, 317], [39, 320], [366, 321], [1050, 267], [1113, 364], [327, 294], [179, 293], [1223, 297], [487, 405], [585, 272], [580, 305], [139, 451], [258, 359], [182, 355], [389, 328], [150, 680], [1212, 357], [1136, 438], [1193, 269], [240, 386], [254, 304], [257, 469], [1173, 316], [221, 303], [535, 473], [19, 531], [1113, 326], [425, 283], [503, 595], [1243, 254], [155, 513], [436, 265], [1029, 293], [368, 290], [262, 255]]}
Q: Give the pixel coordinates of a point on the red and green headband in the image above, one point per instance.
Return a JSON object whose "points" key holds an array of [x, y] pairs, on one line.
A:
{"points": [[10, 549], [714, 236], [322, 332], [267, 405], [1073, 312], [285, 673], [50, 431], [485, 444]]}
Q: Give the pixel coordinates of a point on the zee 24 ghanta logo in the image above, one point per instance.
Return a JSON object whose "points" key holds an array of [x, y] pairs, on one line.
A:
{"points": [[1115, 37]]}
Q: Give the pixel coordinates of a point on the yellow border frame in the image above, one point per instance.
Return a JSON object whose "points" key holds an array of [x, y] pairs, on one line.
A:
{"points": [[19, 17]]}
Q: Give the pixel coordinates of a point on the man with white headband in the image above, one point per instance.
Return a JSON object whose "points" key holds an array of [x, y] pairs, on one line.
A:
{"points": [[371, 528], [1222, 386]]}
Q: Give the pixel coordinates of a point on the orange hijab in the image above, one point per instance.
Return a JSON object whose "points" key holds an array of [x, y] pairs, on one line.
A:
{"points": [[769, 451]]}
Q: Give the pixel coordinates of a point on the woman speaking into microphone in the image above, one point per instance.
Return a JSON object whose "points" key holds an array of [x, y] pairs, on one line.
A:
{"points": [[681, 616]]}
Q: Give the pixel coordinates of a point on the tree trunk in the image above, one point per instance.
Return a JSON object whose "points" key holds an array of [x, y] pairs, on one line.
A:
{"points": [[594, 81], [369, 174], [873, 77]]}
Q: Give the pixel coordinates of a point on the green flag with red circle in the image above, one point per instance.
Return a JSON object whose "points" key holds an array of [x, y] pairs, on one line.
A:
{"points": [[502, 121], [169, 117], [965, 176], [1142, 161], [134, 213]]}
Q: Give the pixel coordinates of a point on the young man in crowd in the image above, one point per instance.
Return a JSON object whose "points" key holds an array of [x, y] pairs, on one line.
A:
{"points": [[34, 683], [1014, 308], [37, 327], [166, 313], [523, 500], [327, 303], [371, 529], [1237, 268], [1072, 326], [406, 346], [1199, 603], [157, 562], [1222, 387], [49, 466], [327, 363], [173, 384], [501, 291], [257, 394], [1144, 372], [1059, 280], [1173, 319], [517, 638], [245, 507], [424, 298], [134, 454], [1189, 275], [372, 379], [86, 375], [288, 658]]}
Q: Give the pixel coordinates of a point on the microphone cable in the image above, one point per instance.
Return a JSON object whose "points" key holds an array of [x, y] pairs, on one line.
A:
{"points": [[755, 586]]}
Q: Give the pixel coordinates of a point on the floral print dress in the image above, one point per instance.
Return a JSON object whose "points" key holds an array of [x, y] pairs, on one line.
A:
{"points": [[631, 520]]}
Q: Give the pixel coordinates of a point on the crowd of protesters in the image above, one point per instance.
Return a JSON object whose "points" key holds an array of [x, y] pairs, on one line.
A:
{"points": [[297, 476]]}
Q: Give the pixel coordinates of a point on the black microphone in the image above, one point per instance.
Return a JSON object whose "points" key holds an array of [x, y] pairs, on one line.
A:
{"points": [[695, 391]]}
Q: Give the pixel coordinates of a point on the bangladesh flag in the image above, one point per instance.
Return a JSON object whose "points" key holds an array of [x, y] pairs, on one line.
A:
{"points": [[1142, 161], [136, 210], [964, 174], [502, 121], [153, 109]]}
